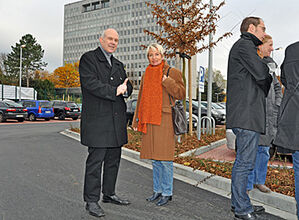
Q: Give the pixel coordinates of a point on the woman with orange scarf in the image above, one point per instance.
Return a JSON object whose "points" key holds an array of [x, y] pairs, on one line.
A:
{"points": [[154, 119]]}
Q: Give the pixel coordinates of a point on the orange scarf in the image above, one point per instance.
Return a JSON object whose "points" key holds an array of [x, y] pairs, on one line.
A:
{"points": [[150, 107]]}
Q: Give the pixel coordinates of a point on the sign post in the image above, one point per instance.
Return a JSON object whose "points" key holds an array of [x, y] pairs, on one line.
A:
{"points": [[201, 88]]}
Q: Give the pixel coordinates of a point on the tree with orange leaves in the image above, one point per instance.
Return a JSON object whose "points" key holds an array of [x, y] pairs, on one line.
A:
{"points": [[66, 76]]}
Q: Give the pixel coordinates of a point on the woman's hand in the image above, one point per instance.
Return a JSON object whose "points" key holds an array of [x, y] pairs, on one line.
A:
{"points": [[164, 77], [134, 128]]}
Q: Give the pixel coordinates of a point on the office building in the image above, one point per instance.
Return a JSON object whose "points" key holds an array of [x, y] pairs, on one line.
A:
{"points": [[84, 22]]}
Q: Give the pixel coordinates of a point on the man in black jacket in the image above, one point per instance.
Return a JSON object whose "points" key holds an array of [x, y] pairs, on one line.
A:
{"points": [[247, 87], [103, 121]]}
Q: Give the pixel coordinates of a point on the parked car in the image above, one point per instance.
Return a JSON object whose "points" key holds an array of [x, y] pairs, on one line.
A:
{"points": [[221, 104], [194, 120], [218, 117], [38, 109], [12, 110], [64, 109], [218, 113], [80, 106], [131, 106]]}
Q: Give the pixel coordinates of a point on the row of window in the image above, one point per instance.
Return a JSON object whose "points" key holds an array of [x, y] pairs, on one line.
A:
{"points": [[105, 4], [95, 5]]}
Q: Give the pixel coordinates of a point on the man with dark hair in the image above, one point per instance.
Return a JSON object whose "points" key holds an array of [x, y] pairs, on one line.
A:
{"points": [[248, 84], [104, 84]]}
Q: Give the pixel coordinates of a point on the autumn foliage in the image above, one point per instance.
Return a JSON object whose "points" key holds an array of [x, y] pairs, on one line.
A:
{"points": [[66, 76], [185, 25]]}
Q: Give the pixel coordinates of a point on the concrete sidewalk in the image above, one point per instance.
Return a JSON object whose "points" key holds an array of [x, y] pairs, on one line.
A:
{"points": [[276, 204]]}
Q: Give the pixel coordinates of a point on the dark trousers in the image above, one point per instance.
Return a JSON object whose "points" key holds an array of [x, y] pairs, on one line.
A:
{"points": [[93, 172]]}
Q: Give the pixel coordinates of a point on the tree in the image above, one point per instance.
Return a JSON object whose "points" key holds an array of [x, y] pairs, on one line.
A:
{"points": [[184, 26], [45, 89], [67, 76], [32, 55], [217, 78], [217, 93]]}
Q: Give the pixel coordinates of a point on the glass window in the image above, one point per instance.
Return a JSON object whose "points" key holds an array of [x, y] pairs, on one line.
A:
{"points": [[45, 105]]}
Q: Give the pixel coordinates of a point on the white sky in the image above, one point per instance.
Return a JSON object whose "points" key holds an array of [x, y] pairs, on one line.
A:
{"points": [[44, 20]]}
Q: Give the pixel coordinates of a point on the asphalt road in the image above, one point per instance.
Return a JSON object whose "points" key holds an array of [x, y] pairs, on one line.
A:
{"points": [[41, 177]]}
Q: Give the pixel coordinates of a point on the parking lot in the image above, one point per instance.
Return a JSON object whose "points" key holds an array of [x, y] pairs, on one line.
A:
{"points": [[38, 121]]}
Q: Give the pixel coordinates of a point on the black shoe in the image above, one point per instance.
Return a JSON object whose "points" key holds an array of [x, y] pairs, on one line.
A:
{"points": [[154, 197], [250, 216], [94, 209], [115, 200], [256, 209], [164, 200]]}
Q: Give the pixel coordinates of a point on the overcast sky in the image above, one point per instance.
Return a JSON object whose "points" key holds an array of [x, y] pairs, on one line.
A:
{"points": [[44, 20]]}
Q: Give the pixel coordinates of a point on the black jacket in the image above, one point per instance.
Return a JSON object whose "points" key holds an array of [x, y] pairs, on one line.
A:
{"points": [[288, 120], [248, 83], [103, 119]]}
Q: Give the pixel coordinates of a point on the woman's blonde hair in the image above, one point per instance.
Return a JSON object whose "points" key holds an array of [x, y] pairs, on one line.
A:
{"points": [[155, 46], [266, 38]]}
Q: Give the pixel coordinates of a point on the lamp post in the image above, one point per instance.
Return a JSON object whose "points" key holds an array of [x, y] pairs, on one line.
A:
{"points": [[217, 93], [20, 77]]}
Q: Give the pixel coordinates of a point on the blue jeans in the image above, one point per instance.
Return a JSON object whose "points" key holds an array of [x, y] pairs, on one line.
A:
{"points": [[163, 177], [296, 171], [259, 173], [247, 142]]}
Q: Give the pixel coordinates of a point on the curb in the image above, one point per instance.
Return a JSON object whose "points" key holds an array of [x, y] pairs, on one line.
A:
{"points": [[273, 199], [203, 149]]}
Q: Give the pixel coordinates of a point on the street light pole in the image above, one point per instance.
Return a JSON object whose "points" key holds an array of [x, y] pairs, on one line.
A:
{"points": [[20, 77], [217, 93]]}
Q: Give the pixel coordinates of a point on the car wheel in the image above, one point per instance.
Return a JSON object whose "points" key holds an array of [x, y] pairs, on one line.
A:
{"points": [[32, 117], [61, 116], [20, 119], [2, 119], [47, 119], [75, 118]]}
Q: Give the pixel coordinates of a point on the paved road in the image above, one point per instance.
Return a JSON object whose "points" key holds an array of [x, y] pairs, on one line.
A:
{"points": [[41, 177]]}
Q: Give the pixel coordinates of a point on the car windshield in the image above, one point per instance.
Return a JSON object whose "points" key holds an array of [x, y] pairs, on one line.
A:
{"points": [[45, 105], [12, 103], [216, 106], [71, 105]]}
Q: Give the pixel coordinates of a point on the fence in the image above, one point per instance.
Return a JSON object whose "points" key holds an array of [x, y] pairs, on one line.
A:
{"points": [[13, 92]]}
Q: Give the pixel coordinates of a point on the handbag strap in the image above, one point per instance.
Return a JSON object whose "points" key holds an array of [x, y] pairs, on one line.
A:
{"points": [[168, 93]]}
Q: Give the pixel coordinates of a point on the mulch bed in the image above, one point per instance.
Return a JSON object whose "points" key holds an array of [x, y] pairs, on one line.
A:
{"points": [[188, 142], [280, 180]]}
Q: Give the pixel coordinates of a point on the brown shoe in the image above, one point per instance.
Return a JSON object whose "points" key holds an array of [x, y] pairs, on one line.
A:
{"points": [[262, 188]]}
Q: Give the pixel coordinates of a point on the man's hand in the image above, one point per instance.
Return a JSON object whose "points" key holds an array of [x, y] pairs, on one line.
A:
{"points": [[122, 88]]}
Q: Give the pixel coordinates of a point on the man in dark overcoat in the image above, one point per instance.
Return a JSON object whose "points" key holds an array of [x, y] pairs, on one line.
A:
{"points": [[288, 121], [248, 84], [104, 84]]}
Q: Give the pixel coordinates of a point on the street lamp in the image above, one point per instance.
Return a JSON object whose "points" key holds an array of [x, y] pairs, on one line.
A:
{"points": [[217, 95], [20, 78]]}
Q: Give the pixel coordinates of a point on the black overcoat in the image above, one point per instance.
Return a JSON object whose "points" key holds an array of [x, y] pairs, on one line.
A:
{"points": [[248, 83], [103, 118], [288, 120]]}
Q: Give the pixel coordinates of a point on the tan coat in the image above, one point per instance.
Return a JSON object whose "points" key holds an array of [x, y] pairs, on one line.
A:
{"points": [[159, 141]]}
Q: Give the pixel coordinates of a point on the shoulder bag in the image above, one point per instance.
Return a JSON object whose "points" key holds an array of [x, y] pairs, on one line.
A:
{"points": [[178, 115]]}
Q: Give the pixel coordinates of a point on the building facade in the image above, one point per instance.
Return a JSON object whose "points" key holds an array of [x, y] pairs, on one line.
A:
{"points": [[85, 21]]}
